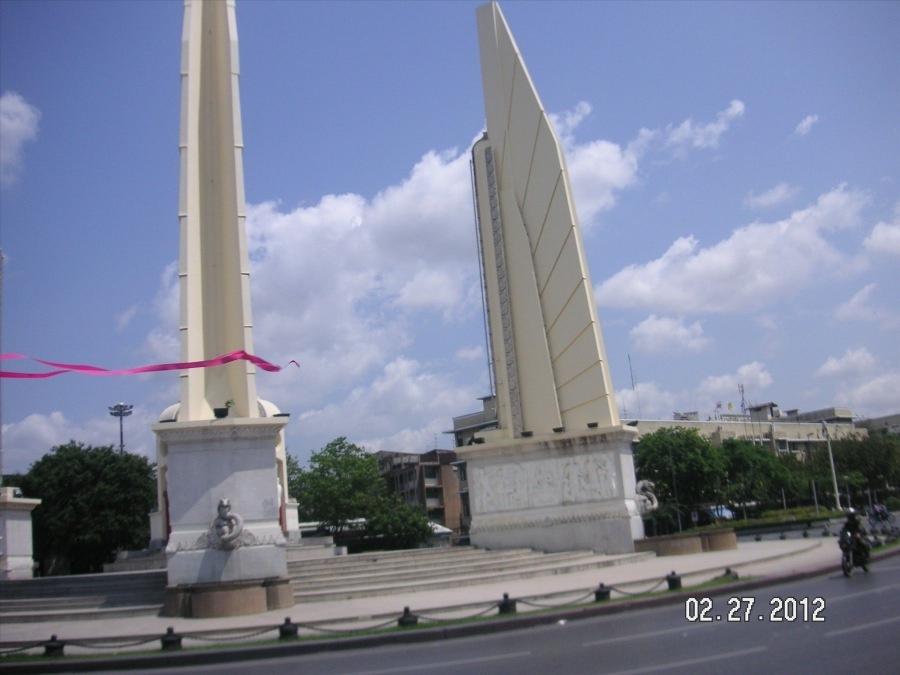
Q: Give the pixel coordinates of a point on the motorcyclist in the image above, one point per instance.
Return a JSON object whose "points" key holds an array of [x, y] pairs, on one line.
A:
{"points": [[857, 535]]}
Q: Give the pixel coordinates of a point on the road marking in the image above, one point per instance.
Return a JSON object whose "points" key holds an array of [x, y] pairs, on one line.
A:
{"points": [[864, 626], [423, 667], [692, 662], [641, 636], [880, 589]]}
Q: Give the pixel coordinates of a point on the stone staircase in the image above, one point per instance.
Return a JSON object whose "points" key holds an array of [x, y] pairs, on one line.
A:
{"points": [[375, 574], [318, 572], [83, 596]]}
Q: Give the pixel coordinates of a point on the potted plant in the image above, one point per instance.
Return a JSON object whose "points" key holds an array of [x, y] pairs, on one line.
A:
{"points": [[223, 412]]}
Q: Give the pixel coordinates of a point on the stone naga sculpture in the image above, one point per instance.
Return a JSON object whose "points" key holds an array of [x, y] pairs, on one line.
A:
{"points": [[644, 498], [227, 527]]}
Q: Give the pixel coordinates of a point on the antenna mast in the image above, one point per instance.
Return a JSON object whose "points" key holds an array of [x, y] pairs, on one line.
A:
{"points": [[634, 390]]}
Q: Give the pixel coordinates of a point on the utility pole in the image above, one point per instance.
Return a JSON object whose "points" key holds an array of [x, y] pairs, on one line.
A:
{"points": [[837, 492]]}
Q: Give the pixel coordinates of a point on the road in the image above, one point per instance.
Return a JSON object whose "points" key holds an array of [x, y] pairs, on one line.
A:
{"points": [[826, 624]]}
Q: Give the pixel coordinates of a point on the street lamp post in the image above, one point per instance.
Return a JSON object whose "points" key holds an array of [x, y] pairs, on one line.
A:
{"points": [[121, 410], [837, 491]]}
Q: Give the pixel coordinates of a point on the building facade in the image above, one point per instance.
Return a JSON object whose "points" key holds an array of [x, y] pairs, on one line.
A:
{"points": [[763, 424], [428, 480]]}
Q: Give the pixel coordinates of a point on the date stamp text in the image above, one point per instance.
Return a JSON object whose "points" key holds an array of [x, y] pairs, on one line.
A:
{"points": [[744, 610]]}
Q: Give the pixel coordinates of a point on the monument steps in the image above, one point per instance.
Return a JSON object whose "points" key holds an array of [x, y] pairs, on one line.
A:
{"points": [[84, 584], [472, 565], [411, 559], [297, 552], [84, 596], [122, 594], [79, 614], [433, 579]]}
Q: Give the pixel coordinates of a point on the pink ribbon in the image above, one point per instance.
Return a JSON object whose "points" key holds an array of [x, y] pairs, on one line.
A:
{"points": [[237, 355]]}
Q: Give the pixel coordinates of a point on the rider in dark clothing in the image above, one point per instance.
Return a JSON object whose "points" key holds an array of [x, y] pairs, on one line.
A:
{"points": [[857, 533]]}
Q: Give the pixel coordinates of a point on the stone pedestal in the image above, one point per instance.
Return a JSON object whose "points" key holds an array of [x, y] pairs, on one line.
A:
{"points": [[16, 550], [227, 557], [555, 493]]}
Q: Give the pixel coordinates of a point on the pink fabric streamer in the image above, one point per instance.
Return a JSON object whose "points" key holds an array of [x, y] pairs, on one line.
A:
{"points": [[236, 355]]}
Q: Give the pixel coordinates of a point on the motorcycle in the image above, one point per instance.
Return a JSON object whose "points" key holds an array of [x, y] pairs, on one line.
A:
{"points": [[879, 515], [854, 553]]}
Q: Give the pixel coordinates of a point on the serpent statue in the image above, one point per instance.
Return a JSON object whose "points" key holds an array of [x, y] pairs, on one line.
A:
{"points": [[644, 498]]}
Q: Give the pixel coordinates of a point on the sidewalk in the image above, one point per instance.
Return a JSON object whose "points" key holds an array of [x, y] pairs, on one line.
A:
{"points": [[762, 560]]}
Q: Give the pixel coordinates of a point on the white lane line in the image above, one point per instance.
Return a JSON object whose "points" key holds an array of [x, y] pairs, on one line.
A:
{"points": [[641, 636], [692, 662], [862, 626], [424, 667], [848, 596]]}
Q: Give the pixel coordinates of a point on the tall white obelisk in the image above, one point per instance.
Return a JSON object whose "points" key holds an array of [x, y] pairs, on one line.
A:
{"points": [[557, 473], [221, 477]]}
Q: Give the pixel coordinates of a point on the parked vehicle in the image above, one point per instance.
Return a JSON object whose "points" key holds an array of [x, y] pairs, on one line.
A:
{"points": [[879, 515]]}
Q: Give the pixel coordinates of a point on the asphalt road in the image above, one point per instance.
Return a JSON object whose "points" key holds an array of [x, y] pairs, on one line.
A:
{"points": [[825, 624]]}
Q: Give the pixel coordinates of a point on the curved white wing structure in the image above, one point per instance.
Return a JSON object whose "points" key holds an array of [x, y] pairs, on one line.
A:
{"points": [[549, 360]]}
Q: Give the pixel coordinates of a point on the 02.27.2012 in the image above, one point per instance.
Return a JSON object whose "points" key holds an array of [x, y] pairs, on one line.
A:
{"points": [[740, 610]]}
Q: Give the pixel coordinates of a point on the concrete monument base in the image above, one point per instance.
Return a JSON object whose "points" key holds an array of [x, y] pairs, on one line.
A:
{"points": [[15, 534], [226, 549], [554, 493], [235, 598]]}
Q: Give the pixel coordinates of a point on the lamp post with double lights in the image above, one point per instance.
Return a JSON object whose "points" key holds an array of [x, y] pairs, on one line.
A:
{"points": [[121, 410]]}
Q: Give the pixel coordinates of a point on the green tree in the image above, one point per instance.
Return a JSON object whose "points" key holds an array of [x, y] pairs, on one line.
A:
{"points": [[864, 465], [341, 480], [394, 524], [95, 501], [342, 484], [294, 471], [685, 469], [754, 475], [798, 483]]}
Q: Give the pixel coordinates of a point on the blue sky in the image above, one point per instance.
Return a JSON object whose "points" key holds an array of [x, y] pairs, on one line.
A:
{"points": [[735, 168]]}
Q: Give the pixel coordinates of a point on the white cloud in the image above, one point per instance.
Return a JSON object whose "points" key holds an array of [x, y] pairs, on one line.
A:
{"points": [[26, 441], [753, 376], [650, 401], [567, 122], [877, 394], [663, 335], [646, 401], [884, 238], [123, 319], [402, 408], [773, 197], [470, 354], [599, 170], [853, 362], [18, 125], [862, 382], [758, 265], [861, 308], [806, 125], [688, 134]]}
